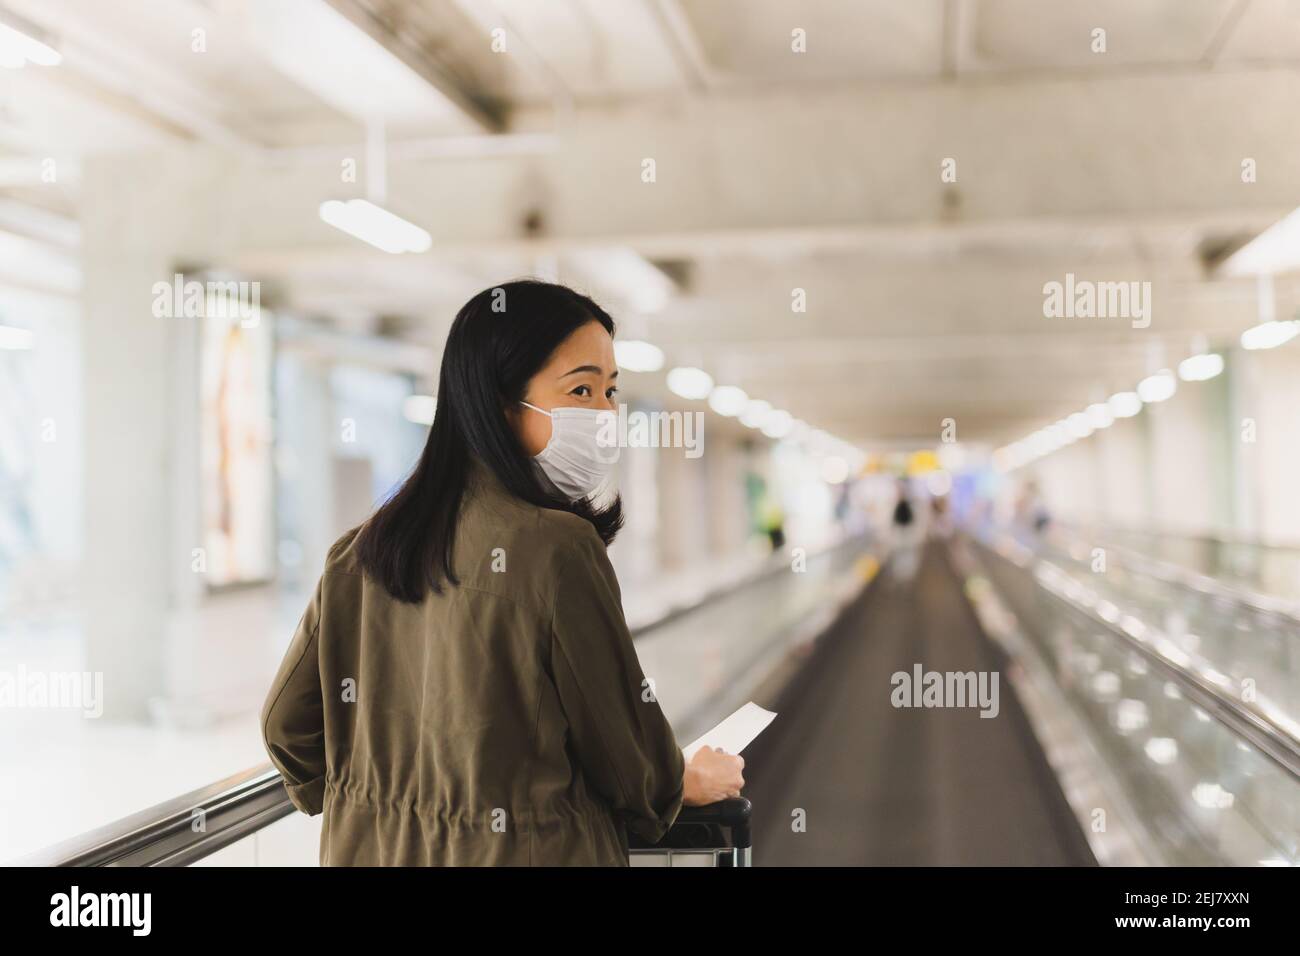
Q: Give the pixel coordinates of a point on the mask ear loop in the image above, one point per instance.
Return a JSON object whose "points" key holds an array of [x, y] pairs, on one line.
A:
{"points": [[536, 409]]}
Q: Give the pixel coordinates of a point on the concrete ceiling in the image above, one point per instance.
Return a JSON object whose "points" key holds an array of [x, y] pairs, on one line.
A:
{"points": [[775, 171]]}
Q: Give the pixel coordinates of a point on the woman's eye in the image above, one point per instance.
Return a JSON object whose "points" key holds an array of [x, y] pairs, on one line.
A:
{"points": [[611, 392], [583, 390]]}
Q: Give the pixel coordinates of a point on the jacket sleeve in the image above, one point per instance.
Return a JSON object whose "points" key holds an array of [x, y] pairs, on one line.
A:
{"points": [[618, 731], [293, 725]]}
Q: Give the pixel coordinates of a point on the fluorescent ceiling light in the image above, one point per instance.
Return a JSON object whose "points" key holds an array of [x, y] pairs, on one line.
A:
{"points": [[15, 338], [1125, 404], [1100, 415], [690, 383], [1199, 368], [1157, 387], [1269, 335], [1276, 249], [728, 400], [18, 48], [777, 424], [637, 356], [375, 225], [816, 439], [756, 412], [419, 409], [835, 470]]}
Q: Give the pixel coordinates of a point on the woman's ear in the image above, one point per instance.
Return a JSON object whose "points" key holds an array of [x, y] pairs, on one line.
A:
{"points": [[511, 411], [514, 418], [532, 428]]}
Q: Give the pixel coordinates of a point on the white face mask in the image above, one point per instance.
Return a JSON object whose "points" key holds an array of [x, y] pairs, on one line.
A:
{"points": [[582, 450]]}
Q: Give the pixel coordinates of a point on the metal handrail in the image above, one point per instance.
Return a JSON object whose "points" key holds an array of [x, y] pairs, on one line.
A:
{"points": [[1182, 576], [184, 830], [1230, 541], [771, 566], [181, 830]]}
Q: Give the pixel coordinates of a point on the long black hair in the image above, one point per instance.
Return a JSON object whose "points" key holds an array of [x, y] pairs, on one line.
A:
{"points": [[499, 340]]}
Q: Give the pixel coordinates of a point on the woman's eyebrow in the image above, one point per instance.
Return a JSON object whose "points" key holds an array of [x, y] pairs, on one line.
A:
{"points": [[587, 368]]}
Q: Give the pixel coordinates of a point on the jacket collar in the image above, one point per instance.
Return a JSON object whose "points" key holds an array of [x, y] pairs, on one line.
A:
{"points": [[481, 478]]}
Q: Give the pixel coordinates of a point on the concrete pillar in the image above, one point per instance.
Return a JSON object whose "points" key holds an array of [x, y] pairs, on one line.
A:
{"points": [[304, 453], [143, 215], [683, 508], [728, 518]]}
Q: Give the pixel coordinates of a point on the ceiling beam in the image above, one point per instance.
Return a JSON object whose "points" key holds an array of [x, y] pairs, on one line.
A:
{"points": [[1072, 162], [436, 71]]}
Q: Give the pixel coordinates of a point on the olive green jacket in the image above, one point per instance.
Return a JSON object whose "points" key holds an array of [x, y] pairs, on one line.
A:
{"points": [[504, 722]]}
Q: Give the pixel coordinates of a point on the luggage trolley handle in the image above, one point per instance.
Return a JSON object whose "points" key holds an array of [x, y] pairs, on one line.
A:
{"points": [[732, 813], [700, 831]]}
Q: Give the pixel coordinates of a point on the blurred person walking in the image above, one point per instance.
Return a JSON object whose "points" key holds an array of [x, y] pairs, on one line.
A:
{"points": [[906, 537], [1032, 516]]}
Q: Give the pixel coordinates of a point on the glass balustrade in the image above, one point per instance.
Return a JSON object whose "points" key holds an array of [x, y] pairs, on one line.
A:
{"points": [[1206, 793]]}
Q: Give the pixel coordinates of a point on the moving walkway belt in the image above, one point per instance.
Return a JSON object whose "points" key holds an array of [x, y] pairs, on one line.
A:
{"points": [[875, 784]]}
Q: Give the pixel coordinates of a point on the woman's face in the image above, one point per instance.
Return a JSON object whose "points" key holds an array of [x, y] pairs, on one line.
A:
{"points": [[579, 374]]}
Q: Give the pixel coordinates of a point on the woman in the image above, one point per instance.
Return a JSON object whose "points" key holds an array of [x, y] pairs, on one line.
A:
{"points": [[462, 688]]}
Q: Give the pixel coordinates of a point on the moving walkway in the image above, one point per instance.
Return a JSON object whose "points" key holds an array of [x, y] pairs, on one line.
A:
{"points": [[874, 783]]}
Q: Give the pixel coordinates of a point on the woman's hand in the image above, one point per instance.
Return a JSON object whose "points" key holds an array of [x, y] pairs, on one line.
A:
{"points": [[712, 776]]}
